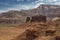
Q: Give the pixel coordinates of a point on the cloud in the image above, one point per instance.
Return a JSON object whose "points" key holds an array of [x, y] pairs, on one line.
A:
{"points": [[19, 0], [1, 11], [57, 3], [19, 7], [25, 7], [50, 2]]}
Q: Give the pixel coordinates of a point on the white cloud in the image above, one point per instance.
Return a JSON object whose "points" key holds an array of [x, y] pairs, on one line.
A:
{"points": [[32, 2], [38, 3], [42, 1], [57, 3], [19, 7], [53, 2], [1, 11], [19, 0], [25, 7]]}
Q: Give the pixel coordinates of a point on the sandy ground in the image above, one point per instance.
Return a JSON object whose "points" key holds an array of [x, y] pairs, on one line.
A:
{"points": [[13, 32], [10, 33]]}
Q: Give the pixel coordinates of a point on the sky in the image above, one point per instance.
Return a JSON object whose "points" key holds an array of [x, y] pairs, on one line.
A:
{"points": [[6, 5]]}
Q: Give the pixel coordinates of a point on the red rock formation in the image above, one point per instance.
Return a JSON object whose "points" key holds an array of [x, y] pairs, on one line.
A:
{"points": [[38, 18]]}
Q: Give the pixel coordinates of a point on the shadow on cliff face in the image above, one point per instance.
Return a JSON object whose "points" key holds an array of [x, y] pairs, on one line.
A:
{"points": [[28, 35]]}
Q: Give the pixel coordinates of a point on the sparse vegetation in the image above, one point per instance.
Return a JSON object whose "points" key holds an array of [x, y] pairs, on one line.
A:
{"points": [[6, 25], [59, 28]]}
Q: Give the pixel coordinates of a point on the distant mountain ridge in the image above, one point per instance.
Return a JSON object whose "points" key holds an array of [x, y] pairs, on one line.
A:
{"points": [[50, 11]]}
